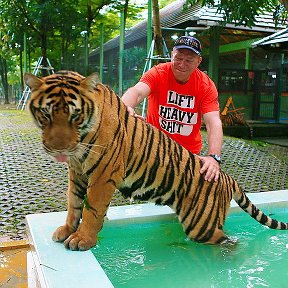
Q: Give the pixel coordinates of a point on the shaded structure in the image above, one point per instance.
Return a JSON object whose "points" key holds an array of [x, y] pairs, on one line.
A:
{"points": [[271, 102], [228, 56], [276, 42]]}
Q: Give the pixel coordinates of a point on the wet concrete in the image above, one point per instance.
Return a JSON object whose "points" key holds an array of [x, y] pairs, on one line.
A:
{"points": [[13, 264]]}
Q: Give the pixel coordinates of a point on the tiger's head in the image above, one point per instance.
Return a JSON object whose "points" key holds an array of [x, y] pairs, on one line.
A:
{"points": [[64, 108]]}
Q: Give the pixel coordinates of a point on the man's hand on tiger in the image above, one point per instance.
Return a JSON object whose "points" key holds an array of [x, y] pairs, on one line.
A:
{"points": [[210, 167], [133, 113]]}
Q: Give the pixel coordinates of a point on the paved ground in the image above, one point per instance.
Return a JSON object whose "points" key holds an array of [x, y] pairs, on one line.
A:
{"points": [[31, 182]]}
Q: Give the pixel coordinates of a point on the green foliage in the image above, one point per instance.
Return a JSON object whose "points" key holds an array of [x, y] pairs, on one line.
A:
{"points": [[280, 14], [55, 28], [163, 3], [259, 143]]}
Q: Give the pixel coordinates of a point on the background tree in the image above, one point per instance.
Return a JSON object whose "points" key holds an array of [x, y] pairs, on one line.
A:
{"points": [[157, 28], [91, 9], [53, 28], [40, 19], [8, 48]]}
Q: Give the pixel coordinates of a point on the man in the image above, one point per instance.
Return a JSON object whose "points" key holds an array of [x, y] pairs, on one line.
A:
{"points": [[179, 95]]}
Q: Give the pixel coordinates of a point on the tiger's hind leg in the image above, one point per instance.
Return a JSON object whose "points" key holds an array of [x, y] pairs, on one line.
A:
{"points": [[215, 236], [218, 237], [229, 241]]}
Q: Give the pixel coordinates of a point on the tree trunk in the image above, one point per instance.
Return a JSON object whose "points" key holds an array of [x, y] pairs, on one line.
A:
{"points": [[125, 11], [4, 78], [44, 64], [157, 28]]}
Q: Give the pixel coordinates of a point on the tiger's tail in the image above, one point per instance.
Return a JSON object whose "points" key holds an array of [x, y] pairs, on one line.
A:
{"points": [[244, 203]]}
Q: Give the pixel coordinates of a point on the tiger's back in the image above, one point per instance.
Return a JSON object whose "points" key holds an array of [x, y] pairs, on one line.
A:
{"points": [[107, 149], [167, 174]]}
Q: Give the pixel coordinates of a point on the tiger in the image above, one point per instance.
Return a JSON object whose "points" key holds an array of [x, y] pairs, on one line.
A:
{"points": [[85, 124]]}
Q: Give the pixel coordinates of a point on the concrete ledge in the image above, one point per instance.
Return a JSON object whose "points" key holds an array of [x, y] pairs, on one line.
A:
{"points": [[19, 244]]}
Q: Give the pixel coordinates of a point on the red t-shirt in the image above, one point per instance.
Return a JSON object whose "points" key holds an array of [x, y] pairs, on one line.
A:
{"points": [[177, 109]]}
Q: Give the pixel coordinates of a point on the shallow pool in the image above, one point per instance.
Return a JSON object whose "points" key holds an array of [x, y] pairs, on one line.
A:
{"points": [[158, 254]]}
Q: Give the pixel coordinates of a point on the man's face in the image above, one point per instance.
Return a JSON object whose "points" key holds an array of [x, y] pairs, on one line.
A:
{"points": [[184, 62]]}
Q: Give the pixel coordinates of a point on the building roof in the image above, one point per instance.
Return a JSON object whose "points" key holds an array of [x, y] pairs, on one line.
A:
{"points": [[175, 16], [274, 39]]}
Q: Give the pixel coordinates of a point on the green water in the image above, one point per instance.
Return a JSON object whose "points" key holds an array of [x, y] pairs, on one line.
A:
{"points": [[158, 254]]}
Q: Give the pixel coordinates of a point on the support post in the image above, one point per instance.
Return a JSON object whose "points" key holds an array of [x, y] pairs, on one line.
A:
{"points": [[149, 26], [121, 49], [25, 52], [101, 51], [248, 59], [213, 70], [86, 53], [280, 89]]}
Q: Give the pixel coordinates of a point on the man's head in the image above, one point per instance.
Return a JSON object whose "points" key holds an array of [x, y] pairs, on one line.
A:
{"points": [[185, 57]]}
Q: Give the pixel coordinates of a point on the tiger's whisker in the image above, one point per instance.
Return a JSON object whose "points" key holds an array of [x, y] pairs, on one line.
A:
{"points": [[94, 145], [84, 148]]}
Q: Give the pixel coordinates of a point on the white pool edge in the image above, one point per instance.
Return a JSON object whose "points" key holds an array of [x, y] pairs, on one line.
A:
{"points": [[51, 265]]}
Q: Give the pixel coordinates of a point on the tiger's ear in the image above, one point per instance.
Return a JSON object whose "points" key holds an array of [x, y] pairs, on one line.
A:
{"points": [[32, 81], [91, 81]]}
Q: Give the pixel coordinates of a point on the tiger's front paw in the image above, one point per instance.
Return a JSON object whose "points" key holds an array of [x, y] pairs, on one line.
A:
{"points": [[80, 241], [62, 233]]}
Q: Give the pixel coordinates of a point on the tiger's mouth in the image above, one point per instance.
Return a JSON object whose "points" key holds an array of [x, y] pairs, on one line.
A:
{"points": [[62, 158], [61, 155]]}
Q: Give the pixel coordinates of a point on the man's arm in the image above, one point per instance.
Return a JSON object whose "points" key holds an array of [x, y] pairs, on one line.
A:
{"points": [[215, 132], [135, 95], [215, 140]]}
